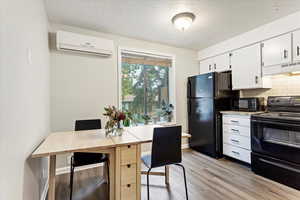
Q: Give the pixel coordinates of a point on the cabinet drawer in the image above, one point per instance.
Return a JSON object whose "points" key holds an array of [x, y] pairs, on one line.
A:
{"points": [[128, 192], [237, 121], [128, 174], [237, 153], [237, 130], [237, 140], [128, 154]]}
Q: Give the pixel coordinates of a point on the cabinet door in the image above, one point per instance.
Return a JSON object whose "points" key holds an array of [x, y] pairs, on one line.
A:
{"points": [[206, 66], [277, 51], [296, 46], [221, 63], [246, 68]]}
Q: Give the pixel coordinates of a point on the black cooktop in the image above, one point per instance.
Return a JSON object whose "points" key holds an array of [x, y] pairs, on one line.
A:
{"points": [[282, 108], [279, 115]]}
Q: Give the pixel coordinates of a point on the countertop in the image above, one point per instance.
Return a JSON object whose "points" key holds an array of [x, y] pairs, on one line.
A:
{"points": [[232, 112]]}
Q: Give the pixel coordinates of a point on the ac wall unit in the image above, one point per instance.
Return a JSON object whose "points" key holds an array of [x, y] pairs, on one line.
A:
{"points": [[67, 41]]}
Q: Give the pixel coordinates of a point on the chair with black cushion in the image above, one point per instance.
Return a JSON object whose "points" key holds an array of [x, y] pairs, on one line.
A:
{"points": [[166, 150], [81, 159]]}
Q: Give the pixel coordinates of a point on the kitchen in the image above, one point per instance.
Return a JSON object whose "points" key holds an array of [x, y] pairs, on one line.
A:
{"points": [[132, 100], [253, 114]]}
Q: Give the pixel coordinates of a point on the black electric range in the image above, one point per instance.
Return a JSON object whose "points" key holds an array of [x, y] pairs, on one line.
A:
{"points": [[275, 141]]}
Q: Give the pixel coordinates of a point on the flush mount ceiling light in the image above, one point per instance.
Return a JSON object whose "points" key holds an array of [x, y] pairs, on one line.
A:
{"points": [[183, 21]]}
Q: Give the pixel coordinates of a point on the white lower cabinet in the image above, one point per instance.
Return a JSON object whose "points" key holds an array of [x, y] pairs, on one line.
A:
{"points": [[237, 153], [236, 137]]}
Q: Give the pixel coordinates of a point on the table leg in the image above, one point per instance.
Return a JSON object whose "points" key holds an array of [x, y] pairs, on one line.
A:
{"points": [[112, 175], [167, 177], [52, 171], [138, 169]]}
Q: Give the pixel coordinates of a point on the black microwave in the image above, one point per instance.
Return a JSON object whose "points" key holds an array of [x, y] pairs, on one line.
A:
{"points": [[248, 104]]}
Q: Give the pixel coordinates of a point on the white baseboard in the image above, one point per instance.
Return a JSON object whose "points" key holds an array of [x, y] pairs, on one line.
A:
{"points": [[45, 190]]}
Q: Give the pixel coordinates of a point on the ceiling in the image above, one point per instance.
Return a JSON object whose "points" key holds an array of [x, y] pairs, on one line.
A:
{"points": [[216, 20]]}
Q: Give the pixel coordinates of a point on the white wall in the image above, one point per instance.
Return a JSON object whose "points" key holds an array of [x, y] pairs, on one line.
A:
{"points": [[82, 85], [280, 26], [24, 100]]}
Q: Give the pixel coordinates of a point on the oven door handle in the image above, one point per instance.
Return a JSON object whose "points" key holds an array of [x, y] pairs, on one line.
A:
{"points": [[280, 165], [275, 123]]}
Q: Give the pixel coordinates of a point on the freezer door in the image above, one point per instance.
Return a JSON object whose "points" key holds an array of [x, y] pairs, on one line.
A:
{"points": [[201, 86], [201, 117]]}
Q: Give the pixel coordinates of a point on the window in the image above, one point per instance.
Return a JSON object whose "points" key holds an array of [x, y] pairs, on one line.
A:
{"points": [[145, 86]]}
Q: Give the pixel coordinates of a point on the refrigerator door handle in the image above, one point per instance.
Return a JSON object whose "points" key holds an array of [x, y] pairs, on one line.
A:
{"points": [[189, 89]]}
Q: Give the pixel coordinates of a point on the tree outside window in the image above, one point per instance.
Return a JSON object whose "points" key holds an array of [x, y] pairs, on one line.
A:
{"points": [[145, 86]]}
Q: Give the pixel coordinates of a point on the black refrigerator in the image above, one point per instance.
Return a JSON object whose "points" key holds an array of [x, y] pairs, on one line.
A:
{"points": [[207, 95]]}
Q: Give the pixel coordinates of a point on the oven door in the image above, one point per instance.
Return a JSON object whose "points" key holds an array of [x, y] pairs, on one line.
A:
{"points": [[276, 139]]}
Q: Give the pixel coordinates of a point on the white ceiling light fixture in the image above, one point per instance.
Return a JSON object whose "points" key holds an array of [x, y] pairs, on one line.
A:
{"points": [[183, 21]]}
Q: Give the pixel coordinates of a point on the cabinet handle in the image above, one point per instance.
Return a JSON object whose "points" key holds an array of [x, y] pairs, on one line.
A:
{"points": [[234, 121], [128, 185], [209, 68], [236, 141], [129, 146], [298, 50], [235, 130], [256, 79], [285, 54], [215, 66], [235, 152], [128, 165]]}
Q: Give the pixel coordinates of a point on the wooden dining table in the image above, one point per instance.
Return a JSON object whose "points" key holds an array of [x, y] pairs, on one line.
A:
{"points": [[124, 154]]}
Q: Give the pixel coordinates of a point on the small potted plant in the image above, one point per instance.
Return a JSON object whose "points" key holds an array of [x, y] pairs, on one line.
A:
{"points": [[129, 118], [168, 111], [146, 118], [115, 116]]}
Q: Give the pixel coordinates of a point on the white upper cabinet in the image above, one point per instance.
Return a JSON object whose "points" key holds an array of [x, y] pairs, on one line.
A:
{"points": [[206, 66], [296, 46], [246, 69], [277, 51], [222, 63], [219, 63]]}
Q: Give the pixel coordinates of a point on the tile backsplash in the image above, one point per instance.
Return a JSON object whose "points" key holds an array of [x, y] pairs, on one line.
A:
{"points": [[282, 85]]}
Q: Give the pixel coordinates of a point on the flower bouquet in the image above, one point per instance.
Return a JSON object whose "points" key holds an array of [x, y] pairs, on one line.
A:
{"points": [[115, 116]]}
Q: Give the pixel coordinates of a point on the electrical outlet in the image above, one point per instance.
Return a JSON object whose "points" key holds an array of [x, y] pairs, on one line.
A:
{"points": [[29, 56]]}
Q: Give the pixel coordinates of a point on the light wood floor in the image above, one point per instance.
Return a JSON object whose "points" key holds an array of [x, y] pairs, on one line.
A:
{"points": [[208, 179]]}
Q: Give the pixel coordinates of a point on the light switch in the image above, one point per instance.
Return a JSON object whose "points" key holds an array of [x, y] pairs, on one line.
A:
{"points": [[29, 56]]}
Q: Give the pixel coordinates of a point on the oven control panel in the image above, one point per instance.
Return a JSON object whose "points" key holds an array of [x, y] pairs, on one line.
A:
{"points": [[284, 103]]}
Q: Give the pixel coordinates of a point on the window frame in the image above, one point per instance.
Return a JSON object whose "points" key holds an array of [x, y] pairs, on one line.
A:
{"points": [[143, 52]]}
